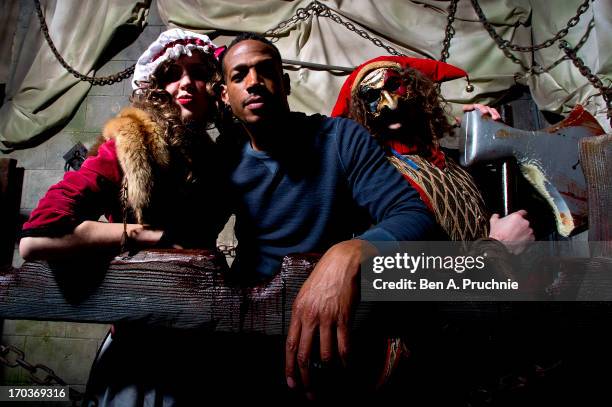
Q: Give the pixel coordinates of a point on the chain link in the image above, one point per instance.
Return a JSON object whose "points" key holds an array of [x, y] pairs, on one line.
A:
{"points": [[5, 350], [300, 15], [125, 238], [450, 31], [320, 10], [48, 379], [606, 91], [570, 53], [505, 44], [539, 69], [98, 81]]}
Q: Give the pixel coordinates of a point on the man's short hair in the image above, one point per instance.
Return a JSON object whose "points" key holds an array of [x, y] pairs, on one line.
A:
{"points": [[243, 36]]}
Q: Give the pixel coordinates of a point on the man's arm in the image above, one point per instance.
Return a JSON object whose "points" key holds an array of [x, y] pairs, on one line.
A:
{"points": [[327, 298], [395, 207], [324, 305]]}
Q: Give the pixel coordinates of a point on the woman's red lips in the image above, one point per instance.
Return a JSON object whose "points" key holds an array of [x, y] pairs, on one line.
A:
{"points": [[183, 100]]}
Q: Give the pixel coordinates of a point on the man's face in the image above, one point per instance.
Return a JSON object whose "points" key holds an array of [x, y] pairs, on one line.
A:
{"points": [[384, 94], [255, 87]]}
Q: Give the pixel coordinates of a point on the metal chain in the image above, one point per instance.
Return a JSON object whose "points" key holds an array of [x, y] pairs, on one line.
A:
{"points": [[318, 9], [321, 10], [450, 31], [301, 14], [98, 81], [448, 36], [539, 70], [606, 91], [49, 378], [125, 238], [570, 53], [503, 44]]}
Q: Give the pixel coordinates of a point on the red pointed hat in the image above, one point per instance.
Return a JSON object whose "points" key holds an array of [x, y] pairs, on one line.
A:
{"points": [[435, 70]]}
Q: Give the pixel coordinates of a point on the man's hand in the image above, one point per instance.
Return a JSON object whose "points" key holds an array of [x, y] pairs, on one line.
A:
{"points": [[512, 230], [483, 109], [324, 305]]}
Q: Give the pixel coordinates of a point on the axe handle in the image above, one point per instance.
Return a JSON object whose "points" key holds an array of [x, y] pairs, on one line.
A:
{"points": [[508, 179]]}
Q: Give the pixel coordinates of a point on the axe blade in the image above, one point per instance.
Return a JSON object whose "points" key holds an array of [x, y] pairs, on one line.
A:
{"points": [[548, 158]]}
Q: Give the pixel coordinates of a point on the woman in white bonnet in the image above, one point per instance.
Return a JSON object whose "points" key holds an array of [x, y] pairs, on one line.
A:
{"points": [[154, 153], [154, 175]]}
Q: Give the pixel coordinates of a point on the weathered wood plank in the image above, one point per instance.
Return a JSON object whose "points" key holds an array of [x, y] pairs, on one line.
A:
{"points": [[182, 289], [596, 162], [170, 288], [190, 289]]}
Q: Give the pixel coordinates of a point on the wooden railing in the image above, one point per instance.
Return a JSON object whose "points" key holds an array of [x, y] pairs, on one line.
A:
{"points": [[190, 289], [174, 288]]}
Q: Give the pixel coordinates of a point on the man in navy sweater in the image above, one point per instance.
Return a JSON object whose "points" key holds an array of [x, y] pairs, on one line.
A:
{"points": [[309, 184]]}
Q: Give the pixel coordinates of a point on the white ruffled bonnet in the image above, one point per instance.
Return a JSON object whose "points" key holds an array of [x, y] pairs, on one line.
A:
{"points": [[170, 44]]}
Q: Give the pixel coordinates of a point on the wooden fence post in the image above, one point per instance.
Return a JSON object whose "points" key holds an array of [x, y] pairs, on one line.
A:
{"points": [[11, 179]]}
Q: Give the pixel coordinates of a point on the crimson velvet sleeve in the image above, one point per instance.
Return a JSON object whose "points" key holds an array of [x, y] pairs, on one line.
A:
{"points": [[81, 195]]}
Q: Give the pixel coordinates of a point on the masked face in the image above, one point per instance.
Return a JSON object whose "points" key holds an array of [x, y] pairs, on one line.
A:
{"points": [[388, 101], [383, 87]]}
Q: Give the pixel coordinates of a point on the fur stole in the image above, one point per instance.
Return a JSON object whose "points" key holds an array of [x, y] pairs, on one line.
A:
{"points": [[141, 150]]}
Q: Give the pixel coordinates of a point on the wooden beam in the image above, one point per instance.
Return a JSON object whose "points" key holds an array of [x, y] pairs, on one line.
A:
{"points": [[596, 162], [178, 288], [11, 179], [169, 288], [192, 289]]}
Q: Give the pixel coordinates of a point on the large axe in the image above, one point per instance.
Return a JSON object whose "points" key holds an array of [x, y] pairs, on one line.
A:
{"points": [[548, 158]]}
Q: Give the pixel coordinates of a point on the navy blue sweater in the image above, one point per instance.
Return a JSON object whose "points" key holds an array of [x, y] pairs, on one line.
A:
{"points": [[327, 181]]}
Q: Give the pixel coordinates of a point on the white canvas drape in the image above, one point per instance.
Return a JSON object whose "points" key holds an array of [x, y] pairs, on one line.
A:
{"points": [[42, 95], [417, 29]]}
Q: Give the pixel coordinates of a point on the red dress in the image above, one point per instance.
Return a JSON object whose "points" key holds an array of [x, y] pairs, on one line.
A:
{"points": [[136, 155], [81, 195]]}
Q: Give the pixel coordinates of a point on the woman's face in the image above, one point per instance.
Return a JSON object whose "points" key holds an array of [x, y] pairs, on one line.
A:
{"points": [[185, 79]]}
